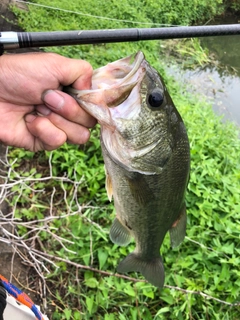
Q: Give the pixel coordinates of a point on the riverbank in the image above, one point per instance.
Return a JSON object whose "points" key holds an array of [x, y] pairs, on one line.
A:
{"points": [[211, 71]]}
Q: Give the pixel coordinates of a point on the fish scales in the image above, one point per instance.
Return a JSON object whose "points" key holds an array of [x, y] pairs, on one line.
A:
{"points": [[147, 160]]}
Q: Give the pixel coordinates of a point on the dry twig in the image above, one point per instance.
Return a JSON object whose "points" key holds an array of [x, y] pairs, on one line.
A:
{"points": [[27, 245]]}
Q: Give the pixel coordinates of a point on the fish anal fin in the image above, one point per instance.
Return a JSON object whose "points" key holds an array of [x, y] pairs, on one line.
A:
{"points": [[108, 185], [119, 233], [152, 270], [178, 230]]}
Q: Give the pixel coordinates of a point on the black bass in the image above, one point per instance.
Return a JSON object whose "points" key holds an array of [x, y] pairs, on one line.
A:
{"points": [[147, 159]]}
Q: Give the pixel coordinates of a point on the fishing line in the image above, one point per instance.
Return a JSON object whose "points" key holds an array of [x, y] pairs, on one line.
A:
{"points": [[94, 16], [14, 40]]}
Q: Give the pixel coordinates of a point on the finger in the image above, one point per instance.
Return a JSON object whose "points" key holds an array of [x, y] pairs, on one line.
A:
{"points": [[74, 72], [67, 107], [47, 135], [31, 74], [75, 133]]}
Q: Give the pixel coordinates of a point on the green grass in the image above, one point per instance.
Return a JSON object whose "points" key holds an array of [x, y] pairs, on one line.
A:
{"points": [[84, 285]]}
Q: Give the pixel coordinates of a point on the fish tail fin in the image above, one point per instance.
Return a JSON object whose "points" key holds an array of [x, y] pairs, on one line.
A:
{"points": [[178, 230], [152, 270]]}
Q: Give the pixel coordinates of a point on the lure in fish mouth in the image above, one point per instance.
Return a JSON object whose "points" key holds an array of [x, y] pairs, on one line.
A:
{"points": [[146, 154]]}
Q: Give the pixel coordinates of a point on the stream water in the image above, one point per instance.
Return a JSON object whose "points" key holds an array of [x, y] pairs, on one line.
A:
{"points": [[220, 83]]}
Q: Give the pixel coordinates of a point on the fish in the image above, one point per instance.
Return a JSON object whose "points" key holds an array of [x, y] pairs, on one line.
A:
{"points": [[146, 154]]}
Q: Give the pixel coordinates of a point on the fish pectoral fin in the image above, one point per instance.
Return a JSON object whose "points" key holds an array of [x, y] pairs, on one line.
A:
{"points": [[120, 234], [152, 270], [146, 167], [178, 230], [140, 190], [108, 185]]}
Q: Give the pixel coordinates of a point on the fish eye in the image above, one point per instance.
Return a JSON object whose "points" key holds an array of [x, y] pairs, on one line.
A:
{"points": [[155, 99]]}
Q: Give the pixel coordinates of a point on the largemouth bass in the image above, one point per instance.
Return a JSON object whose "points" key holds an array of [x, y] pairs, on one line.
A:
{"points": [[146, 154]]}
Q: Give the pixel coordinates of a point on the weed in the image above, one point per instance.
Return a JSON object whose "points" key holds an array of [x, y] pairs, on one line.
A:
{"points": [[74, 215]]}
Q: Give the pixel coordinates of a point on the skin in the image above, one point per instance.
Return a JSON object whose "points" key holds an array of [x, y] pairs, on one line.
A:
{"points": [[35, 114]]}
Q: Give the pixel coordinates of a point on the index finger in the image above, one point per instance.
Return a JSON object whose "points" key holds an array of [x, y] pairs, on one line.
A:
{"points": [[77, 73]]}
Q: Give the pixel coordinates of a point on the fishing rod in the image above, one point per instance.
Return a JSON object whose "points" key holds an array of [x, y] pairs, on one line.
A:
{"points": [[13, 40]]}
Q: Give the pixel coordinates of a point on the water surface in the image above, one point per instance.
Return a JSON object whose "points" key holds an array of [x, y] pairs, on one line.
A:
{"points": [[220, 83]]}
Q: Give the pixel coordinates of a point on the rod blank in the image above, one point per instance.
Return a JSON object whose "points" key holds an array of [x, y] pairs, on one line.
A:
{"points": [[14, 40]]}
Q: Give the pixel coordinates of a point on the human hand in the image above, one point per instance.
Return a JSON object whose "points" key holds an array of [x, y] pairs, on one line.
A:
{"points": [[30, 84]]}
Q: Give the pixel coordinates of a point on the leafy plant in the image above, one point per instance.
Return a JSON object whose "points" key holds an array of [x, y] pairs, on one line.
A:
{"points": [[202, 275]]}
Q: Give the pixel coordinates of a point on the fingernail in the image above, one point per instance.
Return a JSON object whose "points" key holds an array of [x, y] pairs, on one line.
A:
{"points": [[30, 117], [53, 99], [43, 110]]}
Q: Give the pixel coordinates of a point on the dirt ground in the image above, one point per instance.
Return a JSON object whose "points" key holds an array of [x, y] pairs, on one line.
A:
{"points": [[7, 18], [11, 265]]}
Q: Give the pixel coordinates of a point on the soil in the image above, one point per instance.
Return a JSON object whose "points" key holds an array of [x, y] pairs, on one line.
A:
{"points": [[12, 266]]}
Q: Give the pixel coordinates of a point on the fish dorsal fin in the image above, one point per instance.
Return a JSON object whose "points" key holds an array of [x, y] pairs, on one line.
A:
{"points": [[178, 230], [119, 233], [108, 185]]}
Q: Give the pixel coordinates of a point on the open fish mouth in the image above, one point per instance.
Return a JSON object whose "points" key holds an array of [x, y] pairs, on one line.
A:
{"points": [[115, 90], [119, 73]]}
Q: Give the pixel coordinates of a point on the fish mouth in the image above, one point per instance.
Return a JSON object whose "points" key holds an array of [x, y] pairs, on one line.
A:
{"points": [[115, 90]]}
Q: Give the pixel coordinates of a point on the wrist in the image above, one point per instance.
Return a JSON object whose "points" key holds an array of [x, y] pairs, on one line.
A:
{"points": [[5, 71]]}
